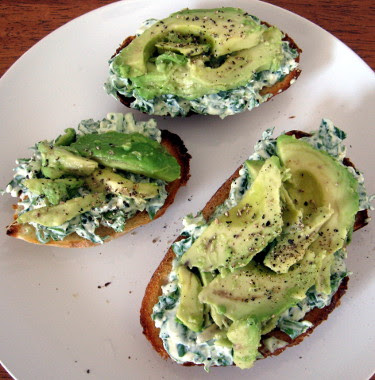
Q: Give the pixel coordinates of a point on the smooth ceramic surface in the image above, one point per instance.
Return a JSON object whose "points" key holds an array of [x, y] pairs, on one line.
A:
{"points": [[56, 318]]}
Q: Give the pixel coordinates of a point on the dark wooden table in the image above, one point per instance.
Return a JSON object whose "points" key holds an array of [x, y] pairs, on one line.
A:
{"points": [[25, 22]]}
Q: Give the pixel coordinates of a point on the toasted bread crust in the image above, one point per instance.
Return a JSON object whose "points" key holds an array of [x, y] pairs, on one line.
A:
{"points": [[160, 277], [176, 148], [276, 89]]}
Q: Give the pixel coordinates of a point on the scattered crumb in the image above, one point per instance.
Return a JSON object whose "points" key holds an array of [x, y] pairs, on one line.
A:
{"points": [[130, 292], [291, 117], [75, 295], [129, 357], [155, 240], [88, 371], [133, 233], [165, 226], [300, 357]]}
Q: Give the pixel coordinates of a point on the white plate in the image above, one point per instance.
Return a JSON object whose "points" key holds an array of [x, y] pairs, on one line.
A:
{"points": [[55, 322]]}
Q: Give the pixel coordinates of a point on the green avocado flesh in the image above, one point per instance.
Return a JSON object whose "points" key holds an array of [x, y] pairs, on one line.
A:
{"points": [[256, 291], [234, 238], [251, 271], [53, 216], [130, 152], [67, 138], [316, 181], [55, 190], [190, 310], [106, 181], [245, 336], [294, 241], [57, 161], [204, 51]]}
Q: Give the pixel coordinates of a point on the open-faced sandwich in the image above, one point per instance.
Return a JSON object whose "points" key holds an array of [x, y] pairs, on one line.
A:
{"points": [[208, 61], [264, 262], [93, 184]]}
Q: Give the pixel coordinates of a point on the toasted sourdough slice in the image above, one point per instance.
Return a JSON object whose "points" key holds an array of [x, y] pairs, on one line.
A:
{"points": [[175, 147], [277, 88], [160, 278]]}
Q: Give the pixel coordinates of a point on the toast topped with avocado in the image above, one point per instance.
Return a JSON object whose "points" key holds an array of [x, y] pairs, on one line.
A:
{"points": [[264, 262], [208, 61], [93, 184]]}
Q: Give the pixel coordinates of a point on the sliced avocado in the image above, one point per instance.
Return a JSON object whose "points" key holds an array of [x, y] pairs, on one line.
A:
{"points": [[211, 26], [299, 230], [225, 47], [219, 319], [53, 216], [206, 277], [55, 190], [107, 181], [253, 167], [292, 245], [235, 237], [185, 48], [318, 180], [323, 279], [57, 161], [130, 152], [240, 65], [245, 335], [190, 309], [221, 339], [67, 138], [291, 214], [269, 324], [256, 291]]}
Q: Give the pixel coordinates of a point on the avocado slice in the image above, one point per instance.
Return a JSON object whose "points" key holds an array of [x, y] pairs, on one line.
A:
{"points": [[235, 237], [238, 66], [299, 230], [318, 180], [53, 216], [211, 26], [190, 309], [256, 291], [291, 214], [224, 48], [185, 48], [253, 167], [293, 243], [131, 152], [219, 319], [245, 335], [107, 181], [57, 161], [55, 190], [67, 138], [323, 280]]}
